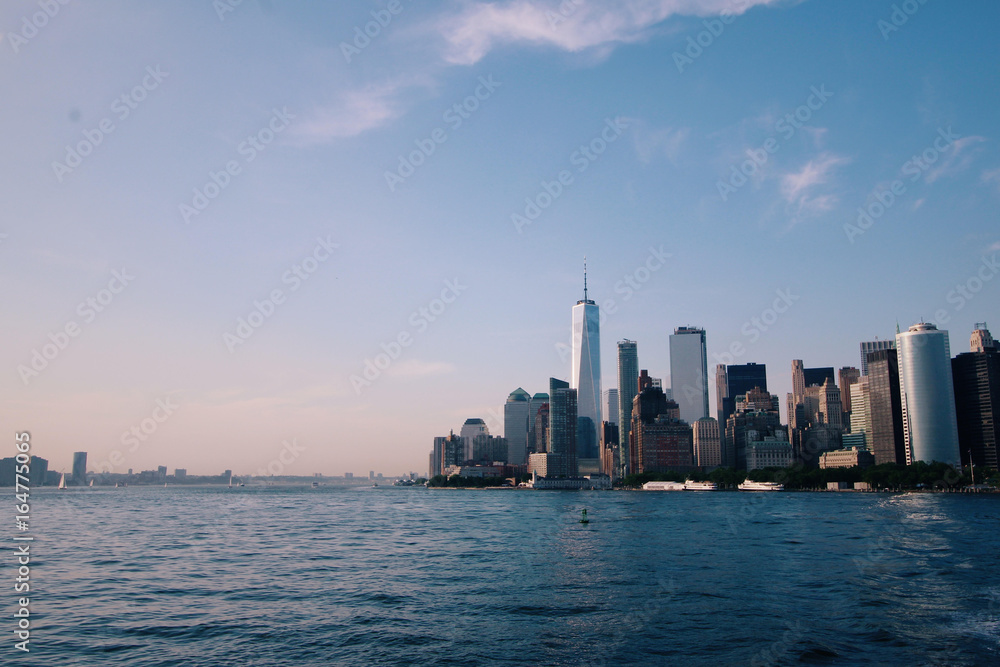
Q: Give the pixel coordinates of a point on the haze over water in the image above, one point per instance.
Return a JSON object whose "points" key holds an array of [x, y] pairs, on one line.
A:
{"points": [[295, 576]]}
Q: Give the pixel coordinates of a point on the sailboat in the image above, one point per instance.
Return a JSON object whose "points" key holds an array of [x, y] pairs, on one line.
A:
{"points": [[62, 481], [91, 482]]}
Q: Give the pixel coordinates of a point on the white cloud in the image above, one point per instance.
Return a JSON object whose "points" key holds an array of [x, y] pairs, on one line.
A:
{"points": [[355, 112], [797, 187], [955, 158], [651, 143], [482, 26], [992, 176]]}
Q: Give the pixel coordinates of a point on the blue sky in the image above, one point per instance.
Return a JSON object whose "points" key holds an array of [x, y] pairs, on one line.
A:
{"points": [[206, 90]]}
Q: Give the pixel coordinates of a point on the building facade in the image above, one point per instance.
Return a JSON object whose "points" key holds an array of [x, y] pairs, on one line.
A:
{"points": [[885, 412], [586, 374], [930, 427], [977, 406], [516, 425], [868, 347], [628, 387], [707, 443], [689, 373]]}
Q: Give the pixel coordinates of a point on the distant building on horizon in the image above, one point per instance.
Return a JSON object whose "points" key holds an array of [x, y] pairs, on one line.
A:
{"points": [[868, 347], [586, 374], [80, 468], [927, 390], [689, 373]]}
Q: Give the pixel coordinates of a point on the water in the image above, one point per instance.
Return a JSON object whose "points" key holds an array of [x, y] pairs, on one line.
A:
{"points": [[298, 576]]}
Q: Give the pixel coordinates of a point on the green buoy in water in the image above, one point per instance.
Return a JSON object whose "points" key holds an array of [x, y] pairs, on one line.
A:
{"points": [[584, 519]]}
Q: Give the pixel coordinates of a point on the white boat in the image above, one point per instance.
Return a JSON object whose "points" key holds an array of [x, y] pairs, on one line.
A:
{"points": [[91, 482], [761, 486], [700, 486], [62, 481], [663, 486]]}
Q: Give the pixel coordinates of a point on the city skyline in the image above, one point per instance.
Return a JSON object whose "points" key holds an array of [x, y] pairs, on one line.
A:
{"points": [[208, 257]]}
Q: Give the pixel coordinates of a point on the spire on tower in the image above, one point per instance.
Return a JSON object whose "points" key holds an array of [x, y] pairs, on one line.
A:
{"points": [[585, 278]]}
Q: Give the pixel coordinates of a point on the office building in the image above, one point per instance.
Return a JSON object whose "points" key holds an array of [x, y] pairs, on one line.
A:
{"points": [[741, 379], [977, 401], [628, 387], [981, 340], [771, 452], [80, 468], [853, 457], [689, 373], [516, 427], [847, 376], [470, 429], [707, 443], [586, 373], [861, 422], [611, 406], [534, 405], [757, 419], [930, 428], [874, 346], [563, 426], [488, 449], [885, 412]]}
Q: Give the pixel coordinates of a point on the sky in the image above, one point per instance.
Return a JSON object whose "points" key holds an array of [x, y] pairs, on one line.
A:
{"points": [[218, 215]]}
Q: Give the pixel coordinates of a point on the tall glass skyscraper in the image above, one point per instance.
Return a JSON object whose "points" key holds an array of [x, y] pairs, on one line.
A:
{"points": [[870, 346], [586, 373], [930, 427], [689, 373], [563, 425], [628, 387]]}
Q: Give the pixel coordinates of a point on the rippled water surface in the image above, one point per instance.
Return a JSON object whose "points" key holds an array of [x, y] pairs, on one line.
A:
{"points": [[299, 576]]}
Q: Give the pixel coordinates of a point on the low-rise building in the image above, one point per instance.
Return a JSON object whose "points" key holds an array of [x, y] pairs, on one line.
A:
{"points": [[847, 458]]}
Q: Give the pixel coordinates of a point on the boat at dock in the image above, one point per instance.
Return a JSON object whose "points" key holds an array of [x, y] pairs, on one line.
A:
{"points": [[761, 486]]}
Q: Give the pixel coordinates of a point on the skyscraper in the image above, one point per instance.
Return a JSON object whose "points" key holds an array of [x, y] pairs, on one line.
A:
{"points": [[515, 426], [721, 392], [885, 412], [689, 373], [563, 426], [611, 406], [628, 387], [977, 400], [707, 443], [80, 468], [739, 380], [586, 373], [534, 405], [927, 391], [868, 347], [847, 376], [470, 429]]}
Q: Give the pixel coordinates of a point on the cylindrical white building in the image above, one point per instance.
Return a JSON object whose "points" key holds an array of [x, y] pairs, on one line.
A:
{"points": [[930, 428]]}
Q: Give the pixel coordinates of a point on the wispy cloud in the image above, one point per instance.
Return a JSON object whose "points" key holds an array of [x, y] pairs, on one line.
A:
{"points": [[355, 111], [956, 158], [992, 176], [653, 142], [572, 26], [797, 187]]}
